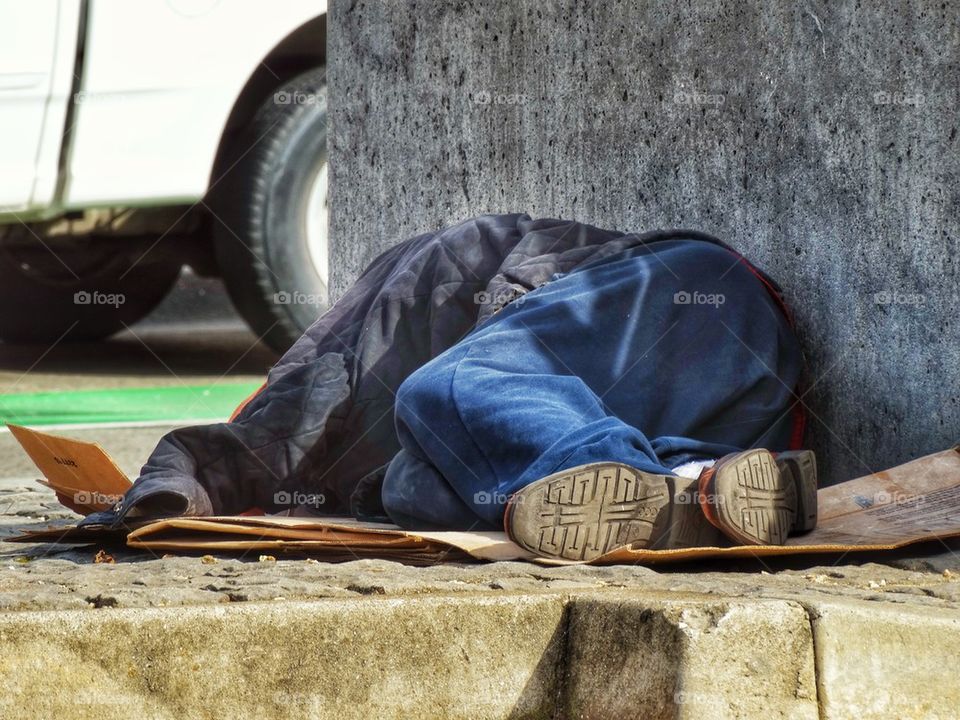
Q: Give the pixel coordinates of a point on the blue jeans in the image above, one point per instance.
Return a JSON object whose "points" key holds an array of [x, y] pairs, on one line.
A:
{"points": [[646, 358]]}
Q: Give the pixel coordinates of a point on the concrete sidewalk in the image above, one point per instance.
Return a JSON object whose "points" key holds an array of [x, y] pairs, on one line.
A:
{"points": [[192, 637]]}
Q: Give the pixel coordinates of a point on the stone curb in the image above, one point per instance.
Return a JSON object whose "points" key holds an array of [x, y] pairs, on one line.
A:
{"points": [[877, 661], [604, 654]]}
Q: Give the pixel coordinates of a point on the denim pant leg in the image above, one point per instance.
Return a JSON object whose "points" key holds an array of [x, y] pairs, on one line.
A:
{"points": [[416, 496], [475, 431]]}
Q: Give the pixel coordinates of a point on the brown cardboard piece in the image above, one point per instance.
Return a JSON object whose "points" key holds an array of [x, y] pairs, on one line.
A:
{"points": [[84, 476], [915, 502], [326, 537]]}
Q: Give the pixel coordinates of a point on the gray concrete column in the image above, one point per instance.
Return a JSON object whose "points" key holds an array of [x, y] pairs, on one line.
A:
{"points": [[819, 138]]}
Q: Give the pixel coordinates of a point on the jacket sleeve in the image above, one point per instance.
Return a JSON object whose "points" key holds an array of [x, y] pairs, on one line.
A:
{"points": [[227, 468]]}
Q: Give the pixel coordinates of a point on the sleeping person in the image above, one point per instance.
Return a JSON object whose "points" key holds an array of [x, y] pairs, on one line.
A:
{"points": [[583, 389]]}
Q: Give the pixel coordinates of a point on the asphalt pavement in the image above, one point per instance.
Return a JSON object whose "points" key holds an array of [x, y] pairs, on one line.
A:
{"points": [[193, 338]]}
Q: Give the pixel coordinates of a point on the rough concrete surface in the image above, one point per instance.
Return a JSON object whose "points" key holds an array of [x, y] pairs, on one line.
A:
{"points": [[819, 138], [197, 637], [864, 671], [684, 658], [351, 658]]}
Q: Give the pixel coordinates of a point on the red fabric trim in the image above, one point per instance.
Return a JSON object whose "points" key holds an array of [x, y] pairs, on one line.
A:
{"points": [[799, 427], [799, 412], [777, 297], [246, 402]]}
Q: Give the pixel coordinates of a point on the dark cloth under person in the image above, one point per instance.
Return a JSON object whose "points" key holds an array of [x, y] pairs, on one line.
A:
{"points": [[654, 357], [324, 422]]}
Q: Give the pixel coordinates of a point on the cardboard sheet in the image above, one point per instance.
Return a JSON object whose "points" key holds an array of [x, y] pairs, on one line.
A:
{"points": [[84, 476], [322, 536], [915, 502]]}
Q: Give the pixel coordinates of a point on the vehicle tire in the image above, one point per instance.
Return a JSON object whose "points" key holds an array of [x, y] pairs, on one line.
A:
{"points": [[270, 213], [86, 291]]}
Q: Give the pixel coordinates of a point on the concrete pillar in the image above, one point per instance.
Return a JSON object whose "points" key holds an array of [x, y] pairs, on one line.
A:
{"points": [[819, 138]]}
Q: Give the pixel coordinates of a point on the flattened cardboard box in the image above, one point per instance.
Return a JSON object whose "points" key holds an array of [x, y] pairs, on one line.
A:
{"points": [[915, 502]]}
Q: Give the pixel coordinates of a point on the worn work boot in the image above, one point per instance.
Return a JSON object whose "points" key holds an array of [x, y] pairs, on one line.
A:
{"points": [[584, 512], [757, 497]]}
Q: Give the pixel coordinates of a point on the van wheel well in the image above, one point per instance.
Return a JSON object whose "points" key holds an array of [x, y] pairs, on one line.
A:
{"points": [[303, 49]]}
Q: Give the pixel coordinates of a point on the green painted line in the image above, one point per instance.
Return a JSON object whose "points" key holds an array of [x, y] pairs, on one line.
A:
{"points": [[195, 402]]}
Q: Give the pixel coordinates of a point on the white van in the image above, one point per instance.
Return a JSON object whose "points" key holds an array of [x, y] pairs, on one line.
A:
{"points": [[137, 136]]}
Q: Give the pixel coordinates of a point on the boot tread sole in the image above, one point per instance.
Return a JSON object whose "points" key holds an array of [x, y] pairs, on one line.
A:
{"points": [[760, 502], [583, 512]]}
